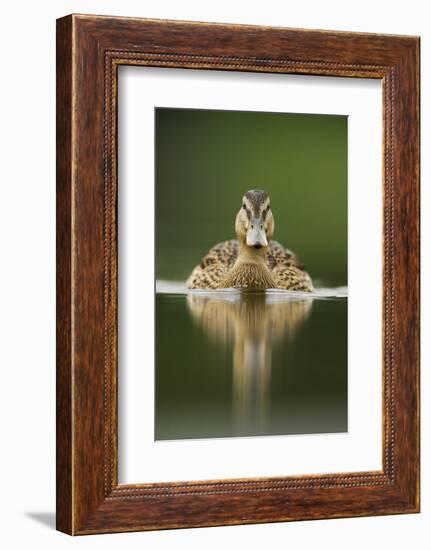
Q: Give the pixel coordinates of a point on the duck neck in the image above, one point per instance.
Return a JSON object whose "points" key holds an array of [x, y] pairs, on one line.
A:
{"points": [[251, 255], [249, 270]]}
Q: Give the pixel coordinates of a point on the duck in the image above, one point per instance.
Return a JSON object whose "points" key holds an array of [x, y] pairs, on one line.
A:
{"points": [[253, 260]]}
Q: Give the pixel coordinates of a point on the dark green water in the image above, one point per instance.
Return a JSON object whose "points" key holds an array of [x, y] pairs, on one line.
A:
{"points": [[247, 364]]}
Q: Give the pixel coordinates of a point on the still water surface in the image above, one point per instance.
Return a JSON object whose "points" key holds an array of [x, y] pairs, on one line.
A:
{"points": [[237, 363]]}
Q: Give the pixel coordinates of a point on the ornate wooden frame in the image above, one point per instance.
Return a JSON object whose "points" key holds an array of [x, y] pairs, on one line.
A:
{"points": [[89, 51]]}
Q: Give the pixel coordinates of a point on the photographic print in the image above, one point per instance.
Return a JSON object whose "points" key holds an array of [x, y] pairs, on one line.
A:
{"points": [[251, 273]]}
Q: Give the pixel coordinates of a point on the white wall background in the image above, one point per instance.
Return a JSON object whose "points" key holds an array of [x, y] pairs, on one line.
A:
{"points": [[27, 240]]}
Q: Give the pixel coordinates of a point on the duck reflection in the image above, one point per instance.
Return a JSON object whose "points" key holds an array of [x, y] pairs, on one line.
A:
{"points": [[253, 323]]}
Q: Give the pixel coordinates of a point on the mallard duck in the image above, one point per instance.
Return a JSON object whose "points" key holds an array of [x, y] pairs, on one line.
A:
{"points": [[253, 260]]}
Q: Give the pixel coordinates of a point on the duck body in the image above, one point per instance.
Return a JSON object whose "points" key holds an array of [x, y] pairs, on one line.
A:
{"points": [[275, 267]]}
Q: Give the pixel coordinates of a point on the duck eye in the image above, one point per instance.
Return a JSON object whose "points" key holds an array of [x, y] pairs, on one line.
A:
{"points": [[243, 206]]}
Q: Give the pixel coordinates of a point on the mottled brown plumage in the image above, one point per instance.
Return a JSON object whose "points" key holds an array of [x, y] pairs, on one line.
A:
{"points": [[252, 261]]}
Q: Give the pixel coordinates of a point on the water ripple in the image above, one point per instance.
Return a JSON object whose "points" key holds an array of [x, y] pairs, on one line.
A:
{"points": [[179, 287]]}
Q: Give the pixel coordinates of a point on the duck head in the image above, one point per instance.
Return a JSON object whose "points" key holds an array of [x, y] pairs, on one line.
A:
{"points": [[254, 224]]}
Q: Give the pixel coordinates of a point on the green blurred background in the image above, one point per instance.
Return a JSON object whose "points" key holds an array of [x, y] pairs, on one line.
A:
{"points": [[207, 159]]}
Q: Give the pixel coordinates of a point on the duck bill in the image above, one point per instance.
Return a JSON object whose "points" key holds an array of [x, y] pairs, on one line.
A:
{"points": [[256, 236]]}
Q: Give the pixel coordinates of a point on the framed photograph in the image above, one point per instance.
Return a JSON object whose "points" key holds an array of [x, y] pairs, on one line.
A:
{"points": [[237, 274]]}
